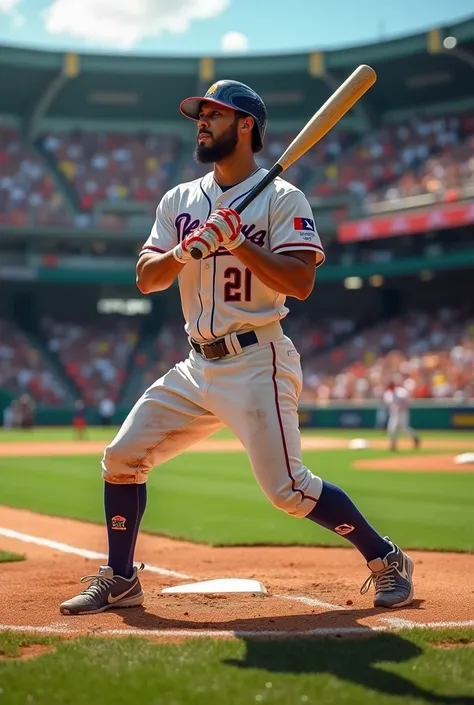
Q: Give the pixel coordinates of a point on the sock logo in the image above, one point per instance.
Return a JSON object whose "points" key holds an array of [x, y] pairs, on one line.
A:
{"points": [[118, 523], [344, 529]]}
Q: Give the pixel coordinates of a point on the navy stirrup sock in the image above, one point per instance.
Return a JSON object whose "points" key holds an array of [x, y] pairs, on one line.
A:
{"points": [[337, 512], [124, 506]]}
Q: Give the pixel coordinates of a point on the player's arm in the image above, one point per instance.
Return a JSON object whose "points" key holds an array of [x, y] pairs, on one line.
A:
{"points": [[291, 273], [156, 271], [295, 248], [162, 257]]}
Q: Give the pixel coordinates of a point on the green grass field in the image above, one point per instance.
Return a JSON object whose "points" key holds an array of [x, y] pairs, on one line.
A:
{"points": [[387, 669], [214, 498]]}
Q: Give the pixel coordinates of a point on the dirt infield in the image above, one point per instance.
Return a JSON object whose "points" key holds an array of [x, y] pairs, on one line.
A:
{"points": [[85, 447], [310, 590], [414, 463]]}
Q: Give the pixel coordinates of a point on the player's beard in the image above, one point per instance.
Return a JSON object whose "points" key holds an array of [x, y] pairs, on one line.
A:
{"points": [[220, 148]]}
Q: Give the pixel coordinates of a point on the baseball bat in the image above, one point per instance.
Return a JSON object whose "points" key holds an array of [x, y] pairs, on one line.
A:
{"points": [[342, 100]]}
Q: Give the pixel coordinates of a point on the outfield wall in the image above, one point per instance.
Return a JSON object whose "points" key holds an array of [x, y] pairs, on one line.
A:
{"points": [[426, 414]]}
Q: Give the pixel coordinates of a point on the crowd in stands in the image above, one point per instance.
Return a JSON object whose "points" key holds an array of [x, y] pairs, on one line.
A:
{"points": [[113, 167], [94, 355], [432, 355], [433, 155], [399, 149], [443, 175], [313, 162], [23, 369], [28, 194]]}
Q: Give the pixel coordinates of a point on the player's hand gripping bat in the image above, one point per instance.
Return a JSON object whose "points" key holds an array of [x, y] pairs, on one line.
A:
{"points": [[326, 117]]}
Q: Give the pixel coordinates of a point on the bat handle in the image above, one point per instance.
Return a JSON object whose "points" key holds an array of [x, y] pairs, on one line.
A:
{"points": [[256, 191]]}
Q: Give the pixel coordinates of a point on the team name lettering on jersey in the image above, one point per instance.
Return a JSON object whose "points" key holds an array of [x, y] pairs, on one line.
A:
{"points": [[185, 226], [218, 294]]}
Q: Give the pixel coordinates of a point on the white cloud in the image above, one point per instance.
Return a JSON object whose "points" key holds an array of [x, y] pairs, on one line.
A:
{"points": [[235, 42], [123, 23], [8, 5]]}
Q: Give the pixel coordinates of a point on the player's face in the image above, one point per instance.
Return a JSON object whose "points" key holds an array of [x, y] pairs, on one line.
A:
{"points": [[217, 133]]}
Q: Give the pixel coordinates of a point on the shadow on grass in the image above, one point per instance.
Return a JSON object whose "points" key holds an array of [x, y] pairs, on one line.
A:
{"points": [[357, 660]]}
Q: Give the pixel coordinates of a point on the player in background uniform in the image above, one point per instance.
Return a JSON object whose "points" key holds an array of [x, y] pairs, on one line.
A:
{"points": [[79, 420], [242, 371], [396, 399]]}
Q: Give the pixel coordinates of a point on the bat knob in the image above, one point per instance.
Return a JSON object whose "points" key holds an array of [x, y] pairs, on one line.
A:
{"points": [[196, 254]]}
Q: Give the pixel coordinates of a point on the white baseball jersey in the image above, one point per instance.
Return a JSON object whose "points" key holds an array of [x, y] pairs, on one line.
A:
{"points": [[396, 400], [253, 390], [219, 295]]}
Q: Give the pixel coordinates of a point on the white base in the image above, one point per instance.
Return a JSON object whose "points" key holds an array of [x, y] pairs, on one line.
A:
{"points": [[218, 587], [464, 459], [359, 444]]}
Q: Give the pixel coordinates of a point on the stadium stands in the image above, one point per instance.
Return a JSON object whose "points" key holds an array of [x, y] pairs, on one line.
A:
{"points": [[432, 353], [94, 354], [443, 175], [385, 155], [421, 155], [28, 195], [24, 370], [113, 167]]}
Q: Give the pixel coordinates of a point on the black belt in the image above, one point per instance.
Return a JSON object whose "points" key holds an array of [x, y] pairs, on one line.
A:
{"points": [[218, 348]]}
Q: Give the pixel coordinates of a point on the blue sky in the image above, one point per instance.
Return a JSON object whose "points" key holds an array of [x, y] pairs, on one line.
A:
{"points": [[200, 27]]}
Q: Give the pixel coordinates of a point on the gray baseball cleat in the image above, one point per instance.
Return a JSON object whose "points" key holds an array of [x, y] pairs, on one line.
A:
{"points": [[106, 591], [392, 577]]}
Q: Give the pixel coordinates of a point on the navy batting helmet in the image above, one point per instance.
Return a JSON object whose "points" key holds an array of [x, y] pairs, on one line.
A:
{"points": [[235, 95]]}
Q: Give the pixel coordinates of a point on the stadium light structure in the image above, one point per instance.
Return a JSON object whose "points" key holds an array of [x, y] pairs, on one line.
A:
{"points": [[450, 46]]}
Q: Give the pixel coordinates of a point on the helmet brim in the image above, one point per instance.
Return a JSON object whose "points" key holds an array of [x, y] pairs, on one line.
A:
{"points": [[190, 107]]}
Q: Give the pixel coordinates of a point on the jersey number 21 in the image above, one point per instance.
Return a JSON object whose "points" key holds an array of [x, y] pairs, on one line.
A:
{"points": [[234, 289]]}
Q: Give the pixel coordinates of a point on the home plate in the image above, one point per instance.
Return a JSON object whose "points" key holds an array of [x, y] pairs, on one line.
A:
{"points": [[217, 587]]}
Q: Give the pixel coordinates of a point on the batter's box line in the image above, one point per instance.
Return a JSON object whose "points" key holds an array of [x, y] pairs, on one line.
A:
{"points": [[95, 555]]}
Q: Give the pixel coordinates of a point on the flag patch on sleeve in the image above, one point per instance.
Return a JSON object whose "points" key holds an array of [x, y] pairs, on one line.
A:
{"points": [[304, 224]]}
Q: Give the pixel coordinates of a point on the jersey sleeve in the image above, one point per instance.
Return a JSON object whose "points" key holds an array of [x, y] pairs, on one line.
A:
{"points": [[163, 235], [292, 226]]}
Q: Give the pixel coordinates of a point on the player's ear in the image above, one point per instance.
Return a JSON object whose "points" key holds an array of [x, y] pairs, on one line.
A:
{"points": [[247, 124]]}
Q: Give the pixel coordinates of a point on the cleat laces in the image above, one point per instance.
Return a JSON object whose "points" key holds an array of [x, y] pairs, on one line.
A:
{"points": [[98, 583], [383, 580]]}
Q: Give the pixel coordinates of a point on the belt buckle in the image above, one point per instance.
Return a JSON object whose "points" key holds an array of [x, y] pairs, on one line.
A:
{"points": [[204, 352], [208, 349]]}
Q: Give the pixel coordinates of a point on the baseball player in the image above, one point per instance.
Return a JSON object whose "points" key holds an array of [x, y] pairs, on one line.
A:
{"points": [[396, 401], [242, 371]]}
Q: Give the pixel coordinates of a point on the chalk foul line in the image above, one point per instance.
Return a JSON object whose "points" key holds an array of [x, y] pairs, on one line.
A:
{"points": [[83, 552], [95, 555]]}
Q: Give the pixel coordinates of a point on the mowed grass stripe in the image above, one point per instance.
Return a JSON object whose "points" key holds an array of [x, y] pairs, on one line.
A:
{"points": [[214, 498], [384, 669]]}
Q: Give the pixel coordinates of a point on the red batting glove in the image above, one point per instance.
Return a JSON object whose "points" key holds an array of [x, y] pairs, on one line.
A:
{"points": [[226, 224], [202, 239]]}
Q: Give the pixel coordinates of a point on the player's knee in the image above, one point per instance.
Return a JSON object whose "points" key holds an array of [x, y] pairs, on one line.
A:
{"points": [[297, 498], [121, 465]]}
